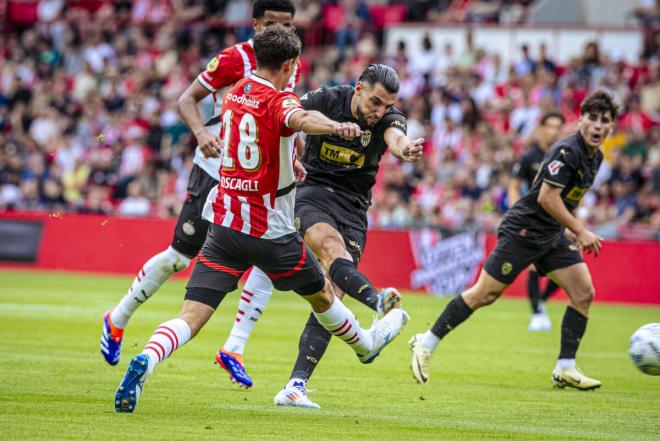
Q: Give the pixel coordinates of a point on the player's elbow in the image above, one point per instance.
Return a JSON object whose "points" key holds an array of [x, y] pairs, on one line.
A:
{"points": [[545, 199]]}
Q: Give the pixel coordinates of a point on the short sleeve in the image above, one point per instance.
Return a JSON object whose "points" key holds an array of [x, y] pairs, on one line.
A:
{"points": [[315, 100], [396, 120], [559, 166], [223, 70], [285, 105]]}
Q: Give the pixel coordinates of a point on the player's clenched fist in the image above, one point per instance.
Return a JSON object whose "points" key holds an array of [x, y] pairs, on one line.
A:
{"points": [[348, 130], [210, 145]]}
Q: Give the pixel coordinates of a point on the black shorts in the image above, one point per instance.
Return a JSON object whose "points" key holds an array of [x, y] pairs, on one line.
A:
{"points": [[227, 254], [511, 256], [316, 204], [191, 228]]}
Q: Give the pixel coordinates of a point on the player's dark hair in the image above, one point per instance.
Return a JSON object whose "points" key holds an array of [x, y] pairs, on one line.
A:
{"points": [[379, 73], [552, 114], [599, 102], [275, 45], [260, 7]]}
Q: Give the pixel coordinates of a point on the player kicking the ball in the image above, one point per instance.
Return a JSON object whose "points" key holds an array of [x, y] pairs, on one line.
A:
{"points": [[331, 214], [541, 229], [225, 69], [252, 219]]}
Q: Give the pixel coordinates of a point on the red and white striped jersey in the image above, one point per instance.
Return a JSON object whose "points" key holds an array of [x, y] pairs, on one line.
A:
{"points": [[224, 70], [256, 193]]}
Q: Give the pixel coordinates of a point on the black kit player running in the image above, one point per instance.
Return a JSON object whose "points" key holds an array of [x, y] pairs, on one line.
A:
{"points": [[529, 234], [522, 176], [541, 229]]}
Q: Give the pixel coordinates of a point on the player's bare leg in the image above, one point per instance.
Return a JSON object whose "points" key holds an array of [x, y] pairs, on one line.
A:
{"points": [[339, 321], [166, 339], [576, 281], [482, 293], [148, 280], [329, 246]]}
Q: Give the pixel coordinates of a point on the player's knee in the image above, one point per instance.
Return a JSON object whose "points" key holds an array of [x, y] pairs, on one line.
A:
{"points": [[177, 260], [584, 295]]}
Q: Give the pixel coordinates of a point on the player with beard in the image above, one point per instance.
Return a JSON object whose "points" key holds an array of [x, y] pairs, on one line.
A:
{"points": [[331, 213], [541, 229], [524, 172]]}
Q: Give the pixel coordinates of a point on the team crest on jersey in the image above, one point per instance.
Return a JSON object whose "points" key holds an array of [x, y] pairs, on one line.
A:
{"points": [[289, 102], [506, 268], [188, 228], [213, 65], [365, 139], [247, 88], [554, 167]]}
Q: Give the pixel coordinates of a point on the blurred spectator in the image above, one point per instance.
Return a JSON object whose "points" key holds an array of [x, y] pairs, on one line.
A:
{"points": [[88, 117]]}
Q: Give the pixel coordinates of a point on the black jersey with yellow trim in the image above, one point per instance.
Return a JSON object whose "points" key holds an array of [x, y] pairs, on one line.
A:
{"points": [[567, 165], [345, 167]]}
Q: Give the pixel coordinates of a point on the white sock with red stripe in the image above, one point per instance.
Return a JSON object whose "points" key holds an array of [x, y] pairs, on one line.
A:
{"points": [[150, 278], [340, 322], [254, 298], [167, 338]]}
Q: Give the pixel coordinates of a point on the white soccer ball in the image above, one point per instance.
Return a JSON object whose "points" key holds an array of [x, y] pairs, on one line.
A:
{"points": [[644, 349]]}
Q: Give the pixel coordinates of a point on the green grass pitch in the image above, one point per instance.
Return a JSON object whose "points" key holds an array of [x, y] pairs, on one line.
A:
{"points": [[490, 378]]}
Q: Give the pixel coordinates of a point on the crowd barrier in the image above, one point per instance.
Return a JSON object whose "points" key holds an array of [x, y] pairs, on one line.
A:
{"points": [[420, 260]]}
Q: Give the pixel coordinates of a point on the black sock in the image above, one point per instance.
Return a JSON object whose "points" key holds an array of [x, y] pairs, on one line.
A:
{"points": [[549, 290], [455, 313], [533, 290], [345, 274], [311, 347], [572, 329]]}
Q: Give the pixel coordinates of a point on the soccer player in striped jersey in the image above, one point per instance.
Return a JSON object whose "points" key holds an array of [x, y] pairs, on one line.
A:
{"points": [[224, 70], [252, 217]]}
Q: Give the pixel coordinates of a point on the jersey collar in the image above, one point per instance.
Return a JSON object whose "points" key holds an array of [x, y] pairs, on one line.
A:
{"points": [[263, 81], [584, 147]]}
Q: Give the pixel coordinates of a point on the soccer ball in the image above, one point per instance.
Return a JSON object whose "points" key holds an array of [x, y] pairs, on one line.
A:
{"points": [[644, 349]]}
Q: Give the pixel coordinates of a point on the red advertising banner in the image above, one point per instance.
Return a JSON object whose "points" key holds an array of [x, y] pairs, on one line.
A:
{"points": [[409, 260]]}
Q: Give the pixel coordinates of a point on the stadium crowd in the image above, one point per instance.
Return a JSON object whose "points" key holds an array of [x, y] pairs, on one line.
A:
{"points": [[88, 118]]}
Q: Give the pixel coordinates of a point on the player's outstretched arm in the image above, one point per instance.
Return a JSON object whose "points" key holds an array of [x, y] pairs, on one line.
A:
{"points": [[550, 200], [316, 123], [210, 145], [402, 147]]}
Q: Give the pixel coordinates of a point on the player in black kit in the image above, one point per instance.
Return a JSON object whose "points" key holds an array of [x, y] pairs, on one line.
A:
{"points": [[331, 204], [522, 174], [541, 230]]}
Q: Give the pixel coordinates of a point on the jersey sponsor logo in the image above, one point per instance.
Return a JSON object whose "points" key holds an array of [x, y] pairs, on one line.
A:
{"points": [[554, 167], [239, 184], [213, 65], [506, 268], [244, 100], [247, 88], [576, 194], [338, 155], [365, 139], [289, 102]]}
